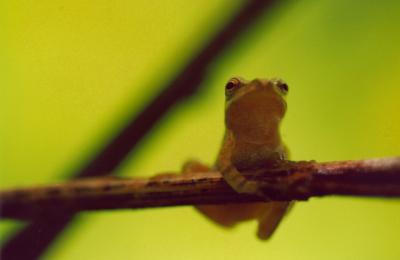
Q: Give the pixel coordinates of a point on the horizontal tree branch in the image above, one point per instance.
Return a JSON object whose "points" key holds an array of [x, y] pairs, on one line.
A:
{"points": [[288, 181]]}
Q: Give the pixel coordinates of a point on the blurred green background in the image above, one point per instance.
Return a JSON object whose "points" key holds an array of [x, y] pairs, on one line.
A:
{"points": [[71, 72]]}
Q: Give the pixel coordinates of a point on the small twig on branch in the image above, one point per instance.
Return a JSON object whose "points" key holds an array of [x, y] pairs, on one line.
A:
{"points": [[291, 181]]}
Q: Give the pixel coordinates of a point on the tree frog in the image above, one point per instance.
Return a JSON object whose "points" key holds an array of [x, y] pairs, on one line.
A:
{"points": [[253, 112]]}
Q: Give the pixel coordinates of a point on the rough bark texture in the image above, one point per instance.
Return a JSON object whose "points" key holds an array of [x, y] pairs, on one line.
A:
{"points": [[289, 181]]}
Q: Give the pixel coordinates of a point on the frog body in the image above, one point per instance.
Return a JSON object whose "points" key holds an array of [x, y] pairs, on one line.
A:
{"points": [[253, 112]]}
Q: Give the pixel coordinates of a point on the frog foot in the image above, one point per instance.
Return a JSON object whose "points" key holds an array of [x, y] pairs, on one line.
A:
{"points": [[243, 185]]}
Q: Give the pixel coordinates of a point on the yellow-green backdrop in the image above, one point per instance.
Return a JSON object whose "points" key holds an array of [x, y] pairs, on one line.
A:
{"points": [[72, 71]]}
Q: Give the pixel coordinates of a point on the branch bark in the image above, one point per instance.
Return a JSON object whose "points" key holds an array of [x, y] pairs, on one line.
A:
{"points": [[289, 181]]}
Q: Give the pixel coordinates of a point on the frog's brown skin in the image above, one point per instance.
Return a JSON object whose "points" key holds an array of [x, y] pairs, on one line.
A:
{"points": [[253, 112]]}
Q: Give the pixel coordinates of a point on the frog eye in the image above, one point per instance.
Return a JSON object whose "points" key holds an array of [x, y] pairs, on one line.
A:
{"points": [[231, 86], [283, 87]]}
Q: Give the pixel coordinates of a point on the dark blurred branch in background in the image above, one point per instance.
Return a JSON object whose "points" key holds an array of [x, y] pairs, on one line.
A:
{"points": [[31, 242], [292, 181]]}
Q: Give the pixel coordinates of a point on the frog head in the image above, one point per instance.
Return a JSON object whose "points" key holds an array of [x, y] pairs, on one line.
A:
{"points": [[254, 109]]}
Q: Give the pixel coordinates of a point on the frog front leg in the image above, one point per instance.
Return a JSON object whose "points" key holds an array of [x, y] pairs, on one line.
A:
{"points": [[231, 174], [240, 183]]}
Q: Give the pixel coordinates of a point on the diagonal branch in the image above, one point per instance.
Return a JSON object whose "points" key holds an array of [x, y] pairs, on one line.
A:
{"points": [[38, 235], [291, 181]]}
